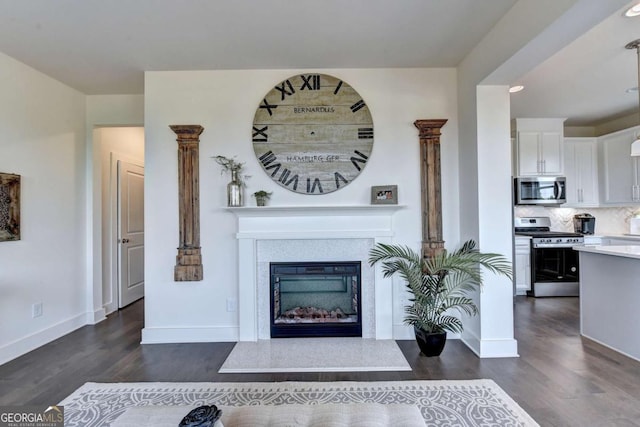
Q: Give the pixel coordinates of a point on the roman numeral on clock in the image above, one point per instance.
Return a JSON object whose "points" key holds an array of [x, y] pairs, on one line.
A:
{"points": [[363, 133], [260, 135], [311, 82], [284, 178], [316, 184], [335, 92], [357, 106], [362, 158], [268, 106], [286, 89], [267, 160], [339, 178]]}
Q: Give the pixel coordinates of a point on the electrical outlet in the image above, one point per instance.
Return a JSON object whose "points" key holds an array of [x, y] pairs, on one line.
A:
{"points": [[232, 304], [36, 310]]}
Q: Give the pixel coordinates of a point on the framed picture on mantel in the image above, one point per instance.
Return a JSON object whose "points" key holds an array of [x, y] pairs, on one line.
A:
{"points": [[384, 195], [9, 207]]}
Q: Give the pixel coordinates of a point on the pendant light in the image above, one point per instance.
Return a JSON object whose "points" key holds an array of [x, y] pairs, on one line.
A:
{"points": [[635, 146]]}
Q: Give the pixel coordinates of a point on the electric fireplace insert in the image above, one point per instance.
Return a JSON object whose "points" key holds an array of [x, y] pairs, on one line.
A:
{"points": [[315, 299]]}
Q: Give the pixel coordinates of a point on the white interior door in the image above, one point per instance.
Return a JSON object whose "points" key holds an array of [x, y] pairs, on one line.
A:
{"points": [[131, 233]]}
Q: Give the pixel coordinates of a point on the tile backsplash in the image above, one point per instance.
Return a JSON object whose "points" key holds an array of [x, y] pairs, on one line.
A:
{"points": [[609, 221]]}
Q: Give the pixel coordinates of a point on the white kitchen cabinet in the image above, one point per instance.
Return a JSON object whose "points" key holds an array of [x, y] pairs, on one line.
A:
{"points": [[522, 272], [539, 147], [539, 153], [581, 170], [620, 178]]}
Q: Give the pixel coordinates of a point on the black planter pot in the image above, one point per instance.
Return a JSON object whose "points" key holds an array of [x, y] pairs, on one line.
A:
{"points": [[430, 343]]}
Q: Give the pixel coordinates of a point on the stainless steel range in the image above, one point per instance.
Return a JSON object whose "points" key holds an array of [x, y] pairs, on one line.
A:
{"points": [[554, 264]]}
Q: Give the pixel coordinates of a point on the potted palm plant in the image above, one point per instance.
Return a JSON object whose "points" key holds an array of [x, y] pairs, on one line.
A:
{"points": [[439, 286]]}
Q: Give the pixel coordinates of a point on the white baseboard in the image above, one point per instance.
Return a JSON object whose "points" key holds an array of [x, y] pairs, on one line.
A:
{"points": [[31, 342], [153, 335], [490, 348], [617, 350], [96, 316]]}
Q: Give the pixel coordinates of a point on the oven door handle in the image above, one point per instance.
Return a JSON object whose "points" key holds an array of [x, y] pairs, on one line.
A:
{"points": [[555, 245]]}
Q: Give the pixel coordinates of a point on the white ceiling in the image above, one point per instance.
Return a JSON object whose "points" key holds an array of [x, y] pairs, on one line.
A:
{"points": [[103, 47], [586, 81]]}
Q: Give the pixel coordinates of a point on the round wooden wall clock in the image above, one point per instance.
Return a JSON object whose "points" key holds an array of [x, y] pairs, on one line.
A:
{"points": [[313, 134]]}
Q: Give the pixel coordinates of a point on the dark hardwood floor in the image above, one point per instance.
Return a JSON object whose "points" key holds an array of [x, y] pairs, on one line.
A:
{"points": [[560, 379]]}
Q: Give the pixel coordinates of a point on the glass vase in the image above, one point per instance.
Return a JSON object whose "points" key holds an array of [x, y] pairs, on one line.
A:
{"points": [[234, 191]]}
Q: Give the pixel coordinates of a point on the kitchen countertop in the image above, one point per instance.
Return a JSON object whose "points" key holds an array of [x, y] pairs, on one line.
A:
{"points": [[614, 236], [627, 251], [623, 236], [635, 238]]}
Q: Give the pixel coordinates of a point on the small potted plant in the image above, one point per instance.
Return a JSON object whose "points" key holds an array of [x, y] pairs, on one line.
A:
{"points": [[261, 197], [438, 286]]}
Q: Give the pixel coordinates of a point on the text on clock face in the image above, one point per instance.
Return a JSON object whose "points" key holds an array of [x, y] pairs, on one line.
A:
{"points": [[321, 109], [311, 159]]}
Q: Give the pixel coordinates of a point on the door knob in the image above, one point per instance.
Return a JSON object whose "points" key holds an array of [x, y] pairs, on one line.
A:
{"points": [[125, 240]]}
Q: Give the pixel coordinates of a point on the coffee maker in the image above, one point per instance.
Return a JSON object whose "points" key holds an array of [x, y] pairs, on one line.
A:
{"points": [[584, 223]]}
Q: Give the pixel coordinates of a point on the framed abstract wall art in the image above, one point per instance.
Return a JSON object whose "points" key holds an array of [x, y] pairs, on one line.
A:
{"points": [[9, 207]]}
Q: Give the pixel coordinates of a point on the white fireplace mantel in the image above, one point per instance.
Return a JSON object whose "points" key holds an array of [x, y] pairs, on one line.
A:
{"points": [[285, 223], [314, 210]]}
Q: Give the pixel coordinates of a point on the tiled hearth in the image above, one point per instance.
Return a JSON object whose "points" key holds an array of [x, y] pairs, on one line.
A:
{"points": [[311, 233]]}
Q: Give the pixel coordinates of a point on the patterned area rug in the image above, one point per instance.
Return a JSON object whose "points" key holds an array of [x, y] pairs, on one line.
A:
{"points": [[442, 403]]}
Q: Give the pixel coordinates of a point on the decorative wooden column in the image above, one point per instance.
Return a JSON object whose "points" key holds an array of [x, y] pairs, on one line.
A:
{"points": [[189, 260], [432, 242]]}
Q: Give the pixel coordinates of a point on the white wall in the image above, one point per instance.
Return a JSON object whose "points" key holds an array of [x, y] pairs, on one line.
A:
{"points": [[43, 139], [115, 110], [224, 102]]}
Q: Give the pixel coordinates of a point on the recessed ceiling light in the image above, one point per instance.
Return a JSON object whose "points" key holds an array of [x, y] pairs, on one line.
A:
{"points": [[517, 88], [633, 10], [632, 89]]}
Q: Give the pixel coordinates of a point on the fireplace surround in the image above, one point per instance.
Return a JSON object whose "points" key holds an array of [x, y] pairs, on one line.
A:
{"points": [[311, 234]]}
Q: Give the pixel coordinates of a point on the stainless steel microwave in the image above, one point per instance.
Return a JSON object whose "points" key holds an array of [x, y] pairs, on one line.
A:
{"points": [[540, 190]]}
